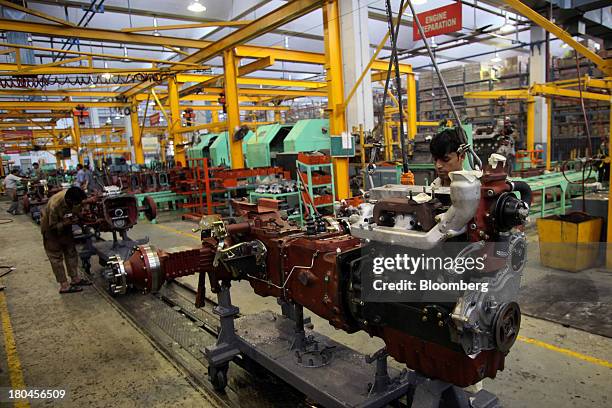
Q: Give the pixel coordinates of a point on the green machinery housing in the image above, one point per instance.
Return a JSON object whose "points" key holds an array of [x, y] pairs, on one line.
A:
{"points": [[262, 146], [215, 147], [201, 149], [303, 136]]}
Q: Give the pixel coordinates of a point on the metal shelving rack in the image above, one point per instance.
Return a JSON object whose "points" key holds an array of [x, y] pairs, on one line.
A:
{"points": [[309, 189]]}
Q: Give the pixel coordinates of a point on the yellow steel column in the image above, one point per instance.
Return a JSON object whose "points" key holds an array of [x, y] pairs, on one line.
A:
{"points": [[162, 148], [76, 132], [412, 108], [215, 119], [530, 124], [335, 91], [137, 136], [549, 132], [609, 232], [232, 109], [174, 123], [277, 117]]}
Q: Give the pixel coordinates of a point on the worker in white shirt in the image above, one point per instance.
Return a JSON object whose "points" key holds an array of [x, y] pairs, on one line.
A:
{"points": [[10, 186]]}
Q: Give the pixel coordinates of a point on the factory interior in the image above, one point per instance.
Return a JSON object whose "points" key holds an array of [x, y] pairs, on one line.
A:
{"points": [[305, 203]]}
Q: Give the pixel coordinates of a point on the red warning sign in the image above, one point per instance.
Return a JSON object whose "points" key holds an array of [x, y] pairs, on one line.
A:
{"points": [[442, 20]]}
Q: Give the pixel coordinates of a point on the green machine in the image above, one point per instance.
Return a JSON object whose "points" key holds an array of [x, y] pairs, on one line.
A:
{"points": [[308, 135], [220, 151], [261, 150], [201, 149], [304, 136]]}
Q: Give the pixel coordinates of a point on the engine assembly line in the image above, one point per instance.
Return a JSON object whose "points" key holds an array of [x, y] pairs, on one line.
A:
{"points": [[305, 203]]}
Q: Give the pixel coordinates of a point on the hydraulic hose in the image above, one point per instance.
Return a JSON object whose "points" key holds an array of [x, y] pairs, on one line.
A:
{"points": [[522, 188]]}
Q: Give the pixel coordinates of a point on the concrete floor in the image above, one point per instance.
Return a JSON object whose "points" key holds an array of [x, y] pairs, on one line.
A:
{"points": [[82, 343]]}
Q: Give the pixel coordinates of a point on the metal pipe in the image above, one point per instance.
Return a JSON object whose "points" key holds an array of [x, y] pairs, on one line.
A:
{"points": [[471, 154], [398, 81]]}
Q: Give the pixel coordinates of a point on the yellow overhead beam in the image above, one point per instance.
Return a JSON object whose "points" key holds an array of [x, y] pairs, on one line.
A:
{"points": [[116, 36], [208, 93], [257, 65], [11, 69], [240, 107], [97, 34], [249, 68], [177, 50], [32, 115], [36, 13], [536, 90], [187, 26], [58, 105], [602, 64], [279, 92], [42, 67], [208, 98], [274, 19], [96, 54], [5, 125], [296, 83], [505, 94], [196, 128], [216, 126], [63, 93], [586, 81], [544, 89]]}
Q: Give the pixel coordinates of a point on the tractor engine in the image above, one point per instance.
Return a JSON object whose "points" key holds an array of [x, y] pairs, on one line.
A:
{"points": [[325, 268]]}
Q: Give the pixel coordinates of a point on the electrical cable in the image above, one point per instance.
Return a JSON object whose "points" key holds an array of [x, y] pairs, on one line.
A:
{"points": [[471, 154], [47, 80]]}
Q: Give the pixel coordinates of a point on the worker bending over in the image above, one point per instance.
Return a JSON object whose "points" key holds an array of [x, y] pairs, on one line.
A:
{"points": [[447, 154], [56, 227]]}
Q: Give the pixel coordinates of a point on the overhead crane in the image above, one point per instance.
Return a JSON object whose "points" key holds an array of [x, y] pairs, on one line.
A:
{"points": [[548, 90], [231, 48]]}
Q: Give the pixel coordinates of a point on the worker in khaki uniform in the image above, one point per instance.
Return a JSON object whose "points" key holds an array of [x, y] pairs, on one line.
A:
{"points": [[56, 227]]}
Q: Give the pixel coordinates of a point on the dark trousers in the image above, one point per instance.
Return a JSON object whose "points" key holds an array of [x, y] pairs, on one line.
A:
{"points": [[60, 249]]}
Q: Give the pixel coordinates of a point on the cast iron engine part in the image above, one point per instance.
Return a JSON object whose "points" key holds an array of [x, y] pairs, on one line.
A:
{"points": [[459, 342], [113, 211]]}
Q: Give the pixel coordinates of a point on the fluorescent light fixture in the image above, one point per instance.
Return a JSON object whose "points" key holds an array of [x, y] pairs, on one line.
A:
{"points": [[106, 75], [564, 45], [117, 117], [419, 2], [287, 41], [507, 27], [196, 7], [156, 32], [433, 43], [109, 121], [496, 58], [125, 54]]}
